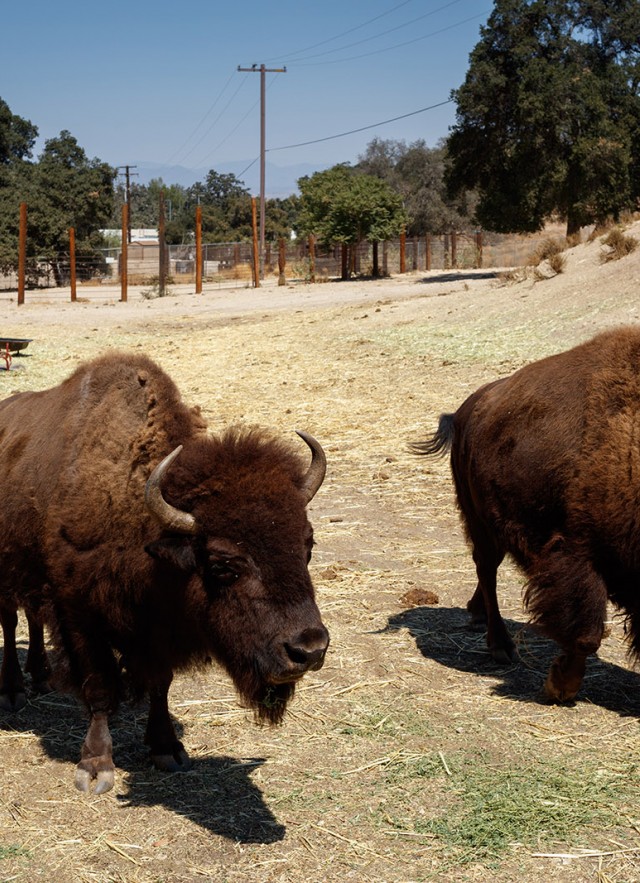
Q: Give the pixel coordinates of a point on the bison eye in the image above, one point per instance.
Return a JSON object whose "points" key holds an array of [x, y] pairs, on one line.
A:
{"points": [[223, 573]]}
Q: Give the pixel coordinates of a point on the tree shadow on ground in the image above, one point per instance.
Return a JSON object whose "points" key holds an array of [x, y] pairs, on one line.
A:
{"points": [[216, 793], [459, 276], [444, 635]]}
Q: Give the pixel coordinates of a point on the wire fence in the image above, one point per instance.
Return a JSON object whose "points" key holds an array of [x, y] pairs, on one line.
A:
{"points": [[231, 264]]}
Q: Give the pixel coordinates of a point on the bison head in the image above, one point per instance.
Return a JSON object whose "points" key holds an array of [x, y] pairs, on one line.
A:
{"points": [[233, 513]]}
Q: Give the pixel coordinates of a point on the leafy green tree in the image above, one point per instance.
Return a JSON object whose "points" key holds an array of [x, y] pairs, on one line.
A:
{"points": [[70, 191], [417, 173], [226, 208], [17, 136], [281, 217], [548, 116], [341, 205]]}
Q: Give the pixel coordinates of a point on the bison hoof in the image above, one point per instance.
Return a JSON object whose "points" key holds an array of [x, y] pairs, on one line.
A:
{"points": [[178, 762], [104, 779], [504, 655], [556, 692], [12, 701], [42, 687]]}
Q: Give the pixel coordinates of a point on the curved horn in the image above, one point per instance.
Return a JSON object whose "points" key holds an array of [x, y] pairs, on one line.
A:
{"points": [[316, 472], [168, 516]]}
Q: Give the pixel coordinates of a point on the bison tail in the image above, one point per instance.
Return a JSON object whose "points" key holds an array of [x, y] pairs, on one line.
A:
{"points": [[440, 442]]}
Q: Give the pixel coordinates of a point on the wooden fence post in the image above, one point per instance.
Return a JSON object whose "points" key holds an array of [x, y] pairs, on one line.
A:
{"points": [[479, 249], [22, 252], [198, 249], [162, 249], [344, 261], [385, 258], [124, 253], [403, 252], [256, 261], [72, 262], [427, 246], [454, 249], [375, 269], [415, 252], [281, 262], [312, 258]]}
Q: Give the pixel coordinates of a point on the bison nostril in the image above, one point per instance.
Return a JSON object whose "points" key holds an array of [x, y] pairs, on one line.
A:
{"points": [[309, 649], [297, 654]]}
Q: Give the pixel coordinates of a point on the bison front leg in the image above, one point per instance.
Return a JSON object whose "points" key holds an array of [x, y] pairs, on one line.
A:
{"points": [[12, 694], [96, 677], [167, 752], [37, 661], [97, 761]]}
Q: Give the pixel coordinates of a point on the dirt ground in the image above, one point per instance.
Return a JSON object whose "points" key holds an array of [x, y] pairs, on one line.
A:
{"points": [[410, 756]]}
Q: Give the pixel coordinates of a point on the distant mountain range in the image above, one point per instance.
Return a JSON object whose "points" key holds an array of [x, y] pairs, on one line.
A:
{"points": [[280, 181]]}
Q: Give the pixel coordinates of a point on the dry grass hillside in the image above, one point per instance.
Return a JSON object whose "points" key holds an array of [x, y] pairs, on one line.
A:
{"points": [[410, 756]]}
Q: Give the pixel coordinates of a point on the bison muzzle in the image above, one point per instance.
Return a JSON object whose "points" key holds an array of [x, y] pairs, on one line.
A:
{"points": [[148, 546]]}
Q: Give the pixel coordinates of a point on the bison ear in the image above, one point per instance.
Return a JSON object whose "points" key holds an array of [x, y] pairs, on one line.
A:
{"points": [[176, 550]]}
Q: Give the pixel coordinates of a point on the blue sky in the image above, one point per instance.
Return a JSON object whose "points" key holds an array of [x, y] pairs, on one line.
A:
{"points": [[158, 82]]}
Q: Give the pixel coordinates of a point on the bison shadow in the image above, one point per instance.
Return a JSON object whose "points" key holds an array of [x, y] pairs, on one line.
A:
{"points": [[444, 635], [216, 793]]}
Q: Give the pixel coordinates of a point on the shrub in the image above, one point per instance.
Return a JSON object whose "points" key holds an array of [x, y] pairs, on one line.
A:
{"points": [[545, 251], [618, 245]]}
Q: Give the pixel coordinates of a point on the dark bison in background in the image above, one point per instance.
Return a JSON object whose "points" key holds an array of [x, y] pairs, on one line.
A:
{"points": [[546, 466], [148, 546]]}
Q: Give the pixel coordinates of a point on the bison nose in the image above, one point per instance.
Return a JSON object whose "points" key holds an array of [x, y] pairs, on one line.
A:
{"points": [[309, 648]]}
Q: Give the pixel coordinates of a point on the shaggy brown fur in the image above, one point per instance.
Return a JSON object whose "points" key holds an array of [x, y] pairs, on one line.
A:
{"points": [[81, 553], [546, 465]]}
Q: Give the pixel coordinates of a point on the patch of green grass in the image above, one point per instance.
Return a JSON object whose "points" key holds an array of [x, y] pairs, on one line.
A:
{"points": [[455, 345], [544, 802], [373, 723], [413, 766], [12, 852]]}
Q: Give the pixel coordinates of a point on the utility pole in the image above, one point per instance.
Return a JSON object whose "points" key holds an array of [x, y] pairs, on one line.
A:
{"points": [[262, 70], [127, 190]]}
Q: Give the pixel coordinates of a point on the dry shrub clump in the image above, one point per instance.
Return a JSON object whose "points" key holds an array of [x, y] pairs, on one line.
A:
{"points": [[545, 251], [617, 245], [548, 259]]}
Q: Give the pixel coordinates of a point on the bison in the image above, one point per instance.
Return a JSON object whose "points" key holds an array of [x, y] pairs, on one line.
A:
{"points": [[146, 546], [546, 467]]}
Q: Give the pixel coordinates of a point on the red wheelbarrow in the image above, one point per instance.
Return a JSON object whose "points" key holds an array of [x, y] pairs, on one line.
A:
{"points": [[9, 346]]}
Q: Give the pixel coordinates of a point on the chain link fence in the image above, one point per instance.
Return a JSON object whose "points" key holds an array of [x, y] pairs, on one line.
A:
{"points": [[231, 264]]}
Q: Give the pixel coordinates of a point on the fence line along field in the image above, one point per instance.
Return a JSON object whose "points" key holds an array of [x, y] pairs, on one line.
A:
{"points": [[410, 756]]}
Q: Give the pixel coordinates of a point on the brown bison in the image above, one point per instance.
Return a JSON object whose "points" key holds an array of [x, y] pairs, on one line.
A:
{"points": [[546, 466], [148, 546]]}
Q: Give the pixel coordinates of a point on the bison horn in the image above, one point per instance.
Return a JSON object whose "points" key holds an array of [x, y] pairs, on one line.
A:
{"points": [[316, 472], [168, 516]]}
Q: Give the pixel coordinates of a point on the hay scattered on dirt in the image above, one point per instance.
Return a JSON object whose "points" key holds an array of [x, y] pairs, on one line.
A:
{"points": [[371, 776]]}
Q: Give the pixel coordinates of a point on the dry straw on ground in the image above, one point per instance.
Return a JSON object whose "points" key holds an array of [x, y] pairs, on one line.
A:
{"points": [[410, 756]]}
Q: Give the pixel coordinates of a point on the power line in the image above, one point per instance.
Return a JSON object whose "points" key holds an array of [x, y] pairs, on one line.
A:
{"points": [[235, 128], [396, 45], [204, 134], [361, 129], [406, 24], [252, 163], [344, 33], [184, 144]]}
